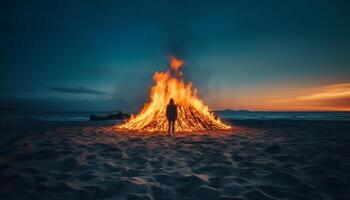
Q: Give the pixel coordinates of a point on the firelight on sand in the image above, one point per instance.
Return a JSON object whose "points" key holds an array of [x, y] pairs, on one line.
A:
{"points": [[193, 114]]}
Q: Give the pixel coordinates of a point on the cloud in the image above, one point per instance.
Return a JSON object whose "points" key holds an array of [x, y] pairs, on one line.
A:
{"points": [[78, 90], [328, 97], [62, 104], [334, 91]]}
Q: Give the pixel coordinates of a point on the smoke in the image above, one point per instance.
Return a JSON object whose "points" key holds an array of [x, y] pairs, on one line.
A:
{"points": [[177, 24], [180, 41], [177, 41]]}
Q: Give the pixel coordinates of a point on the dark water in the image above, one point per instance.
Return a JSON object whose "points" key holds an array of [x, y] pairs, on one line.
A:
{"points": [[229, 115], [332, 116]]}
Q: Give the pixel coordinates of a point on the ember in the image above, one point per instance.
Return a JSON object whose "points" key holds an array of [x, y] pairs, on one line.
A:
{"points": [[193, 115]]}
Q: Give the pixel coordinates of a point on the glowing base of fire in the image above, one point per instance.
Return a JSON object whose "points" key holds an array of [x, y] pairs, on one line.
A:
{"points": [[189, 119]]}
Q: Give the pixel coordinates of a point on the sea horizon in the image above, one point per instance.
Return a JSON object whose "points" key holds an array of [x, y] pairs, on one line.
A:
{"points": [[228, 114]]}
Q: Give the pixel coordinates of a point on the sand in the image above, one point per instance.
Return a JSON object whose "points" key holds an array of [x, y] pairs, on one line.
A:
{"points": [[258, 160]]}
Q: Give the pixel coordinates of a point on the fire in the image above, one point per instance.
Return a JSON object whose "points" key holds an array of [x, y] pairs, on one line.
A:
{"points": [[175, 63], [193, 114]]}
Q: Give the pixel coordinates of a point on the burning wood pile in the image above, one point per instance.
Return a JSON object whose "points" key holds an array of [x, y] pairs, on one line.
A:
{"points": [[193, 114]]}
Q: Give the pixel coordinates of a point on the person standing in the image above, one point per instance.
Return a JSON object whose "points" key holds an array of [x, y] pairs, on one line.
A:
{"points": [[171, 115]]}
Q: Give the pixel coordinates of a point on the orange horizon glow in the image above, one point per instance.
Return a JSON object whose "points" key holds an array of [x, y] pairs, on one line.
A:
{"points": [[332, 97]]}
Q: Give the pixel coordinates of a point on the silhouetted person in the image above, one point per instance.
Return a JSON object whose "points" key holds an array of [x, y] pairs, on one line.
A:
{"points": [[171, 115]]}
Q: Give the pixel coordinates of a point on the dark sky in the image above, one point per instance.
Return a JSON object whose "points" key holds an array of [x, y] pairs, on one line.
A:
{"points": [[101, 55]]}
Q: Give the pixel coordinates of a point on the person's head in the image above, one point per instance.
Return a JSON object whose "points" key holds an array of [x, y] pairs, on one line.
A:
{"points": [[171, 101]]}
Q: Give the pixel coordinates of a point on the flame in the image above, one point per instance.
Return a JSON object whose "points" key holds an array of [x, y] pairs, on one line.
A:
{"points": [[175, 63], [193, 114]]}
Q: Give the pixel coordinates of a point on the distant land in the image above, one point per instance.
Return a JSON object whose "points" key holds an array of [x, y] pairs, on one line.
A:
{"points": [[12, 109], [230, 110]]}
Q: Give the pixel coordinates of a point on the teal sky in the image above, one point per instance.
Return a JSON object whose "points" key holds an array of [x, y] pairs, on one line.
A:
{"points": [[101, 55]]}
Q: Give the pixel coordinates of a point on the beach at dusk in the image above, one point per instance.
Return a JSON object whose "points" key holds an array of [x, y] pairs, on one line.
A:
{"points": [[167, 100]]}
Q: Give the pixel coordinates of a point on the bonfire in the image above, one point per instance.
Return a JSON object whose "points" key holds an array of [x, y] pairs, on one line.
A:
{"points": [[193, 114]]}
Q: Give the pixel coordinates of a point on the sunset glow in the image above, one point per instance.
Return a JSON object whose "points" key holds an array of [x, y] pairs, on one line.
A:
{"points": [[329, 92], [333, 97]]}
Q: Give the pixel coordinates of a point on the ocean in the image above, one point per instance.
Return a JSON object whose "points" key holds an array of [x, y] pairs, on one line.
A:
{"points": [[263, 115], [226, 115]]}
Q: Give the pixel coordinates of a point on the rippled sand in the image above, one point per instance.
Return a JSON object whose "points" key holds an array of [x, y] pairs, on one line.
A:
{"points": [[258, 160]]}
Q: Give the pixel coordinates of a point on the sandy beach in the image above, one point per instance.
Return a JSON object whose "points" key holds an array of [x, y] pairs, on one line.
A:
{"points": [[257, 93], [271, 159]]}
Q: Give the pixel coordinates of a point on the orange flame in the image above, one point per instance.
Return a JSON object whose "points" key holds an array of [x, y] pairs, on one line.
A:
{"points": [[175, 63], [193, 115]]}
